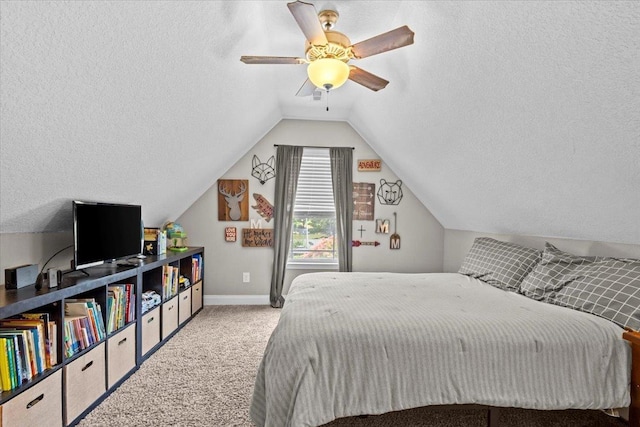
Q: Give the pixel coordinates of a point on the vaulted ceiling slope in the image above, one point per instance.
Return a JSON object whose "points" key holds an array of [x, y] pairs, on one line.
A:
{"points": [[503, 117]]}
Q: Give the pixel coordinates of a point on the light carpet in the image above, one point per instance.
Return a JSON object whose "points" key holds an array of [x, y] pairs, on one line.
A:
{"points": [[204, 376]]}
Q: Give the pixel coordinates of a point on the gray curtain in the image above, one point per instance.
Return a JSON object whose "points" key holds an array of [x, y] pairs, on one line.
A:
{"points": [[288, 159], [342, 178]]}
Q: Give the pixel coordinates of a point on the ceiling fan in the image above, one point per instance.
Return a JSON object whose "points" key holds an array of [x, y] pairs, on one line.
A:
{"points": [[328, 52]]}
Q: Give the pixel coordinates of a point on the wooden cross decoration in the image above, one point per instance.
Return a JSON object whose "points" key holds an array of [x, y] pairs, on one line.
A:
{"points": [[361, 229]]}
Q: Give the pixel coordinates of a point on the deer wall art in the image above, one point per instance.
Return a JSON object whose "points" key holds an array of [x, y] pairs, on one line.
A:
{"points": [[232, 203]]}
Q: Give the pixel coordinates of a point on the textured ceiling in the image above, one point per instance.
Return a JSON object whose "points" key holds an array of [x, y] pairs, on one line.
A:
{"points": [[503, 117]]}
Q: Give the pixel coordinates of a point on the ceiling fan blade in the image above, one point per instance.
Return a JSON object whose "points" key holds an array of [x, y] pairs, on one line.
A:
{"points": [[271, 60], [367, 79], [307, 18], [393, 39], [306, 89]]}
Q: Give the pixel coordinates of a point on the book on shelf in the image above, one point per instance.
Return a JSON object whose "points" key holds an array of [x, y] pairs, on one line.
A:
{"points": [[9, 371], [19, 341], [5, 373], [84, 325], [49, 338], [170, 277], [36, 337], [120, 306], [80, 333], [196, 268], [22, 353], [90, 308], [14, 357], [28, 348]]}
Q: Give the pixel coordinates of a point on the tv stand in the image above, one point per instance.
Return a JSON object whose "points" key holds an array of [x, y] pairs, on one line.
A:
{"points": [[79, 380]]}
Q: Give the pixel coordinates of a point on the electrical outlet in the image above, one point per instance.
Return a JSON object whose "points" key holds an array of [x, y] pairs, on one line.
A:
{"points": [[246, 277]]}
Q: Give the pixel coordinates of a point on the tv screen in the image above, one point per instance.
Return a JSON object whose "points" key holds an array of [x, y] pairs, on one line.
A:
{"points": [[105, 232]]}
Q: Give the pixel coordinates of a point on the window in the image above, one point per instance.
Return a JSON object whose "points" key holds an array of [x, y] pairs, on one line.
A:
{"points": [[313, 235]]}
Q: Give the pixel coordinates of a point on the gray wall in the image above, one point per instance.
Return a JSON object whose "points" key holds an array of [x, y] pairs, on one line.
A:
{"points": [[458, 242], [421, 235], [35, 248], [426, 246]]}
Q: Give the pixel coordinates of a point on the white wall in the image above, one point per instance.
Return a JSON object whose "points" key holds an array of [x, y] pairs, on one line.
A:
{"points": [[421, 235], [458, 242]]}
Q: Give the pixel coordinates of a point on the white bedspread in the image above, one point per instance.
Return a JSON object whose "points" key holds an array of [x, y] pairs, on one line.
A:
{"points": [[368, 343]]}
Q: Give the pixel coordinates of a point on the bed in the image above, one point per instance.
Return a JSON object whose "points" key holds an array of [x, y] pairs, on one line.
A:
{"points": [[368, 343]]}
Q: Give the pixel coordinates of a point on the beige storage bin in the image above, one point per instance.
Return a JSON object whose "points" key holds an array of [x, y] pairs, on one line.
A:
{"points": [[196, 297], [184, 305], [169, 317], [40, 405], [121, 354], [84, 381], [150, 330]]}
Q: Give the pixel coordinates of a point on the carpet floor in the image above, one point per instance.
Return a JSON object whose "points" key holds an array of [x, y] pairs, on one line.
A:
{"points": [[204, 376]]}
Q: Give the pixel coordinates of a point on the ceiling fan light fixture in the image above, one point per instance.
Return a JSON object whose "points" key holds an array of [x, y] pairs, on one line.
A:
{"points": [[328, 73]]}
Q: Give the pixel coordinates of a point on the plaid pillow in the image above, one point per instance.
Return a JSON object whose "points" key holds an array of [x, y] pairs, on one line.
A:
{"points": [[606, 287], [500, 264], [552, 273]]}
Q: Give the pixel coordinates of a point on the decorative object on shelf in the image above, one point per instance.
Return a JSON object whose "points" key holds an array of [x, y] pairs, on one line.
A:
{"points": [[183, 282], [230, 234], [257, 237], [263, 207], [176, 237], [363, 201], [357, 243], [382, 226], [369, 165], [150, 299], [394, 240], [263, 172], [390, 193], [155, 241], [232, 205]]}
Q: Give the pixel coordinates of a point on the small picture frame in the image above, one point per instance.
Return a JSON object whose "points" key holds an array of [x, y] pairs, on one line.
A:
{"points": [[230, 234]]}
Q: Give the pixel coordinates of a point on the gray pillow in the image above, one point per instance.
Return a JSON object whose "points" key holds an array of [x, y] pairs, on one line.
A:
{"points": [[606, 287], [555, 269], [500, 264]]}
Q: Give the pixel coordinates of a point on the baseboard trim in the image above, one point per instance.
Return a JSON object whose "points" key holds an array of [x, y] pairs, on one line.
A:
{"points": [[236, 300]]}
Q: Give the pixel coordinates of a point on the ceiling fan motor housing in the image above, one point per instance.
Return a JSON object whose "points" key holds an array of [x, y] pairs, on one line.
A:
{"points": [[338, 48]]}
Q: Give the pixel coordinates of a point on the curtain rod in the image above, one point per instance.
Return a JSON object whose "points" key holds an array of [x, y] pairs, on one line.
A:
{"points": [[313, 146]]}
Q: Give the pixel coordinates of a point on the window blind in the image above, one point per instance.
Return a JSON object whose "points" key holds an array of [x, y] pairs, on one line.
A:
{"points": [[314, 197]]}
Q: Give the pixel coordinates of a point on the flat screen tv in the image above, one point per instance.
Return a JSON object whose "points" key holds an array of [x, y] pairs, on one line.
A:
{"points": [[105, 232]]}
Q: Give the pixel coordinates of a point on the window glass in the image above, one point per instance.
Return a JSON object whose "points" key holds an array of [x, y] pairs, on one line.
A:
{"points": [[313, 236]]}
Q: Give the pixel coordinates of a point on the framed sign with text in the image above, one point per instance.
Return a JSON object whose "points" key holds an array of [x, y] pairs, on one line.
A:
{"points": [[257, 237], [369, 165]]}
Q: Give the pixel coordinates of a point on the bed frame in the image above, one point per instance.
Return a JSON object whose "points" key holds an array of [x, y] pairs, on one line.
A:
{"points": [[634, 409]]}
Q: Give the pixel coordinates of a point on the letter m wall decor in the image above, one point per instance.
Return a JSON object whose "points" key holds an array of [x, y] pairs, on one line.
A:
{"points": [[233, 205]]}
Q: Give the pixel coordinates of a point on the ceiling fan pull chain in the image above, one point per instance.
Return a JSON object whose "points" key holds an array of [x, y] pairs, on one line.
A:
{"points": [[327, 99]]}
